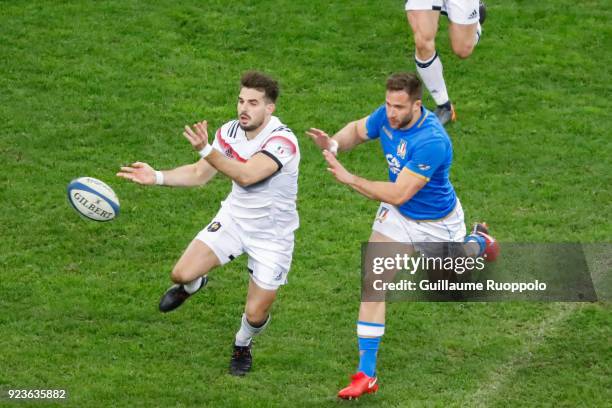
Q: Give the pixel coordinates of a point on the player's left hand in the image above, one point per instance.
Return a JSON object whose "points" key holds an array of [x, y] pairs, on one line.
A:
{"points": [[320, 137], [198, 136], [337, 169]]}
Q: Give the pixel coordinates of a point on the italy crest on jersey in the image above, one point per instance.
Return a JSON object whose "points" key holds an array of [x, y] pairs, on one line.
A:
{"points": [[382, 214], [401, 149]]}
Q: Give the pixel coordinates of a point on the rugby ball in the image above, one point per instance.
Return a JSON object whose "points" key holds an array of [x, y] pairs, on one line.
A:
{"points": [[93, 198]]}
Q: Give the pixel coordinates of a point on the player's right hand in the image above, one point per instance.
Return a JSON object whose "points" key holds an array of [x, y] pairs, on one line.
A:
{"points": [[138, 172], [198, 137], [320, 138]]}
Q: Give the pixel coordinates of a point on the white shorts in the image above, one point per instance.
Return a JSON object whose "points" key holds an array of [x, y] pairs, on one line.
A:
{"points": [[269, 259], [458, 11], [391, 223]]}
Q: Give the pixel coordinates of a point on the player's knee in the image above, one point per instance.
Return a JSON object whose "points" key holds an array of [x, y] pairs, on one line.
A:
{"points": [[425, 47], [255, 314], [463, 50]]}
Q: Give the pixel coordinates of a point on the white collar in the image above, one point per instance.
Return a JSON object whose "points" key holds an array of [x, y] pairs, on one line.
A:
{"points": [[273, 123], [241, 135]]}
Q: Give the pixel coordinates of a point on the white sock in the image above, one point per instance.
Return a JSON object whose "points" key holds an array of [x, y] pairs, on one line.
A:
{"points": [[193, 286], [478, 34], [430, 72], [246, 332]]}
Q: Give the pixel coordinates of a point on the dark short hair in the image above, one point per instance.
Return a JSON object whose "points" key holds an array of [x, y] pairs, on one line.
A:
{"points": [[407, 82], [261, 82]]}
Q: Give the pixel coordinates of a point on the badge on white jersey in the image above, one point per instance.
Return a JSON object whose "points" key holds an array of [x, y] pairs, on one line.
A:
{"points": [[281, 147]]}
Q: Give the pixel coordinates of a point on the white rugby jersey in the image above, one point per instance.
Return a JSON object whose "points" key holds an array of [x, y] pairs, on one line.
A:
{"points": [[267, 208]]}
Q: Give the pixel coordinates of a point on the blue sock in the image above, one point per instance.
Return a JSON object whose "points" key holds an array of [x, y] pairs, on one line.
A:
{"points": [[368, 349]]}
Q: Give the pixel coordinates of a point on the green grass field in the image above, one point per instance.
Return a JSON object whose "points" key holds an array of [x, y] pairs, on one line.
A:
{"points": [[88, 86]]}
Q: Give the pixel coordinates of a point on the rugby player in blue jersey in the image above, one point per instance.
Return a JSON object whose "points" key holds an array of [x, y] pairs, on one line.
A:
{"points": [[418, 203]]}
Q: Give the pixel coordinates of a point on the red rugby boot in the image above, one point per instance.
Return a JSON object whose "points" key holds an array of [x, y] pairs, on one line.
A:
{"points": [[360, 384]]}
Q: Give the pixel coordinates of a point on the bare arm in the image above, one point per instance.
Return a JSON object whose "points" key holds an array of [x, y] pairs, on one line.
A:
{"points": [[195, 174], [396, 193], [259, 167], [254, 170], [348, 137]]}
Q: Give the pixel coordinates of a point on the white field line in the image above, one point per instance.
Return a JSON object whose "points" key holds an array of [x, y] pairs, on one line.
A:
{"points": [[533, 339]]}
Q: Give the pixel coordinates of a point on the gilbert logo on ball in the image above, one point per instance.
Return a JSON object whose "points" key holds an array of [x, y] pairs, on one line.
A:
{"points": [[93, 198]]}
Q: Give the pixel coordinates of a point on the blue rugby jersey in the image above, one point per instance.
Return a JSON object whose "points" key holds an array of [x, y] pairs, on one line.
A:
{"points": [[425, 149]]}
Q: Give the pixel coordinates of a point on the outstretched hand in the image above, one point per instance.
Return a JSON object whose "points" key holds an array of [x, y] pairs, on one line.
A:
{"points": [[138, 172], [198, 136], [320, 138], [337, 169]]}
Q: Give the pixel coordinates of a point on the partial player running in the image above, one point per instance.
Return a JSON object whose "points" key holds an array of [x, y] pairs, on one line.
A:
{"points": [[418, 203], [261, 156], [466, 18]]}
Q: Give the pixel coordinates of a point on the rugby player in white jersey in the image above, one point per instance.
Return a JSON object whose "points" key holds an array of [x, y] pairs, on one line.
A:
{"points": [[259, 217]]}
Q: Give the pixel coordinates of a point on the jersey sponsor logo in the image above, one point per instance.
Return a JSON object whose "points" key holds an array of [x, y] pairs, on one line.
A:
{"points": [[214, 227], [394, 164], [424, 167], [387, 132], [401, 149], [278, 275], [474, 14]]}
